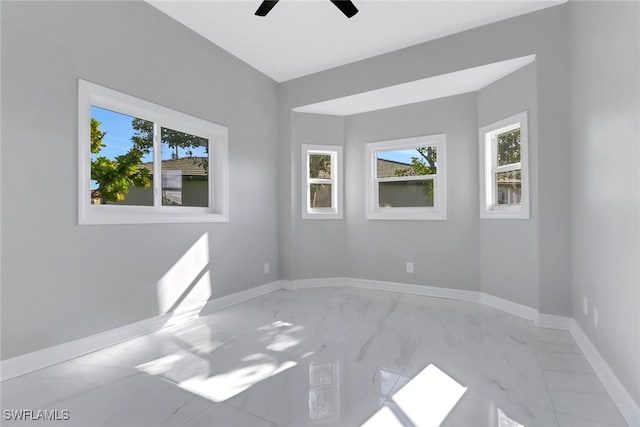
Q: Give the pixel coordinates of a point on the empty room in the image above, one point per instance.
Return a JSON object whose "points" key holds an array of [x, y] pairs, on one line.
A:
{"points": [[317, 212]]}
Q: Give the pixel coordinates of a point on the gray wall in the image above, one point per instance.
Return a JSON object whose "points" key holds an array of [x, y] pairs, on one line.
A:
{"points": [[509, 261], [542, 33], [319, 245], [605, 105], [61, 281], [444, 253]]}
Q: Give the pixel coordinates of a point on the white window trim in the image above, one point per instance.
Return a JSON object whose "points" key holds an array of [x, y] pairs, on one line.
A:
{"points": [[336, 181], [438, 211], [90, 94], [488, 158]]}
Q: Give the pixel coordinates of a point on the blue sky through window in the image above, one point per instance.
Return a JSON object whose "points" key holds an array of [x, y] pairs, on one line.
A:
{"points": [[401, 156], [117, 139], [118, 130]]}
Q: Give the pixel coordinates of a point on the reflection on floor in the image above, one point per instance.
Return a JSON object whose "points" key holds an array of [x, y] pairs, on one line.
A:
{"points": [[326, 357]]}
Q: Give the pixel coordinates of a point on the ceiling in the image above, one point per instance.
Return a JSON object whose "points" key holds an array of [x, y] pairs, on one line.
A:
{"points": [[300, 37], [441, 86]]}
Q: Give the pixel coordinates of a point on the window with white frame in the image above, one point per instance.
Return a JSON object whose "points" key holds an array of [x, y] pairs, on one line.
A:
{"points": [[504, 172], [143, 163], [406, 178], [321, 182]]}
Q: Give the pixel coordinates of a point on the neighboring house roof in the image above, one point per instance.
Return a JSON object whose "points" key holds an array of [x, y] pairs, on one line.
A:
{"points": [[192, 166], [388, 168]]}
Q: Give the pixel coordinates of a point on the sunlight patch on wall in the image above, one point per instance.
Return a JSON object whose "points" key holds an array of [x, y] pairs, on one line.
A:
{"points": [[187, 284]]}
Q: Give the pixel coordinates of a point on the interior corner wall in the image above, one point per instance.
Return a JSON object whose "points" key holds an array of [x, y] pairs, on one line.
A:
{"points": [[320, 244], [553, 165], [605, 154], [444, 253], [543, 33], [62, 281], [509, 262]]}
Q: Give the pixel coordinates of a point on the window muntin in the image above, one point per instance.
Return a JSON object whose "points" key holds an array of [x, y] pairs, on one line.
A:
{"points": [[504, 168], [506, 173], [406, 178], [321, 185], [140, 162]]}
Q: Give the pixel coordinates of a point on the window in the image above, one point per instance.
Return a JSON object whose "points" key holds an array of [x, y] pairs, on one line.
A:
{"points": [[143, 163], [504, 173], [322, 182], [406, 178]]}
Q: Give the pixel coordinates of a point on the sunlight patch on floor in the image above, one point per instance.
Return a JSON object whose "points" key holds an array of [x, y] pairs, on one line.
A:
{"points": [[383, 418], [504, 421], [429, 397], [425, 401], [280, 340], [161, 365], [221, 387]]}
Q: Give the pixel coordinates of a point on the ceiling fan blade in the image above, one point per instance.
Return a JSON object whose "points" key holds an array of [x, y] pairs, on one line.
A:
{"points": [[265, 7], [346, 6]]}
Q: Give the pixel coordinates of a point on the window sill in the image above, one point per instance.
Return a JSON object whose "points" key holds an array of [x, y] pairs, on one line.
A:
{"points": [[407, 214], [322, 214], [95, 215], [505, 213]]}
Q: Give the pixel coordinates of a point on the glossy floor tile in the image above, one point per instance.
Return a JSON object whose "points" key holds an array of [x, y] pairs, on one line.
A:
{"points": [[329, 357]]}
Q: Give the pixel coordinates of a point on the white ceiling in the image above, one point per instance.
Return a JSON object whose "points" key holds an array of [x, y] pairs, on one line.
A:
{"points": [[300, 37], [455, 83]]}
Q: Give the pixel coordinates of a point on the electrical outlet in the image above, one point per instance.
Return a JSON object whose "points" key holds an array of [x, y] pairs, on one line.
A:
{"points": [[410, 267], [595, 317], [585, 306], [266, 268]]}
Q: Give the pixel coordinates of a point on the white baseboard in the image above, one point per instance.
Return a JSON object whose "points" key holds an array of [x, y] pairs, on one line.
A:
{"points": [[20, 365], [621, 397], [554, 322], [511, 307], [379, 285], [623, 400], [294, 285], [23, 364], [238, 297], [431, 291]]}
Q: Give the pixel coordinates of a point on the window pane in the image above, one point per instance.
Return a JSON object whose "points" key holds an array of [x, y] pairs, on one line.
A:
{"points": [[320, 166], [509, 147], [320, 196], [509, 188], [409, 162], [185, 169], [405, 194], [121, 159]]}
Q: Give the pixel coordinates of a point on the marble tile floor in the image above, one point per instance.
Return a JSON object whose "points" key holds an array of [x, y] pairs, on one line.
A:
{"points": [[327, 357]]}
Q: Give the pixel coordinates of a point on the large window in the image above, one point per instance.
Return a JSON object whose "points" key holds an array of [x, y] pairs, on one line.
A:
{"points": [[143, 163], [504, 180], [406, 178], [322, 182]]}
